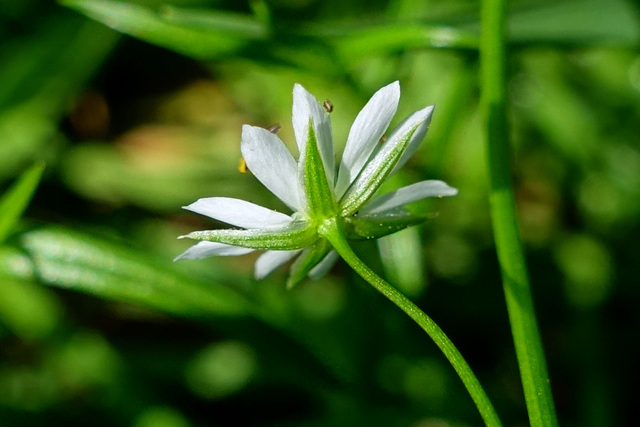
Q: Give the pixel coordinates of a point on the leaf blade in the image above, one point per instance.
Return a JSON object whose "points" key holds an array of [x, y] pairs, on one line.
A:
{"points": [[195, 41], [14, 202], [78, 261]]}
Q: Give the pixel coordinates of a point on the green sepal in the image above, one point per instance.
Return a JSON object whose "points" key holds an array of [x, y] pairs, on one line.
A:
{"points": [[320, 199], [366, 227], [375, 173], [309, 258], [297, 235]]}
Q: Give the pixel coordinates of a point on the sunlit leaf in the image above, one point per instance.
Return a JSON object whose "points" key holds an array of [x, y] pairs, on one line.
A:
{"points": [[209, 36], [73, 260]]}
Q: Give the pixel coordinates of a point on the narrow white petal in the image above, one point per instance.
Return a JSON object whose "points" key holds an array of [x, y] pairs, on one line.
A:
{"points": [[270, 260], [423, 115], [305, 107], [271, 162], [365, 134], [324, 266], [239, 213], [207, 249], [410, 193]]}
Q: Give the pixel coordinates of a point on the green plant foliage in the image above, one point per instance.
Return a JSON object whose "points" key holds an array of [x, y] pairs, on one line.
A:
{"points": [[64, 258], [136, 107], [15, 200]]}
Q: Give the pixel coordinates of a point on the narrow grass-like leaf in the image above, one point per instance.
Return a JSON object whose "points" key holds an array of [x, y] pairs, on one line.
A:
{"points": [[165, 29], [245, 26], [388, 39], [580, 22], [68, 259], [15, 200], [74, 260]]}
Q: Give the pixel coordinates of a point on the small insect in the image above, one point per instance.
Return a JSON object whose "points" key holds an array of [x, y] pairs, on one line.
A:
{"points": [[327, 105], [384, 138], [274, 128]]}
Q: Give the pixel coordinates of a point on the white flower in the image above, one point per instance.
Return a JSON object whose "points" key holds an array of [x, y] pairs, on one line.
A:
{"points": [[316, 189]]}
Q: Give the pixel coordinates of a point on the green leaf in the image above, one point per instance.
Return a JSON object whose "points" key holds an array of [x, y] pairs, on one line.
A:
{"points": [[403, 261], [295, 236], [582, 22], [40, 78], [78, 261], [212, 36], [388, 39], [15, 200], [28, 310], [244, 26]]}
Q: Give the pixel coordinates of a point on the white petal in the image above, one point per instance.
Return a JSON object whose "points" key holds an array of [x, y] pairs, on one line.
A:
{"points": [[410, 193], [271, 162], [270, 260], [324, 266], [305, 107], [239, 213], [424, 115], [207, 249], [365, 134]]}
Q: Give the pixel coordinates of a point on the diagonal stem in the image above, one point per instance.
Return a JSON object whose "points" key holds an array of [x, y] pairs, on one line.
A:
{"points": [[332, 231], [526, 336]]}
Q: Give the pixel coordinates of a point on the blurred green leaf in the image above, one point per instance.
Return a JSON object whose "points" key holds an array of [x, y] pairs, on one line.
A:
{"points": [[244, 26], [403, 261], [28, 310], [161, 416], [209, 36], [73, 260], [576, 22], [221, 369], [387, 39], [16, 199], [39, 77]]}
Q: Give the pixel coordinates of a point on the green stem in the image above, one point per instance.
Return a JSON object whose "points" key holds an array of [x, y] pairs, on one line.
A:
{"points": [[528, 345], [332, 231]]}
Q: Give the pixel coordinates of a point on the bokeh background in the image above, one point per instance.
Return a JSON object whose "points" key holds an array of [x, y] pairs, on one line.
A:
{"points": [[99, 327]]}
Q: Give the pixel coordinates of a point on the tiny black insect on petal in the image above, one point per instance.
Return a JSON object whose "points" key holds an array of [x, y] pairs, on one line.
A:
{"points": [[274, 128]]}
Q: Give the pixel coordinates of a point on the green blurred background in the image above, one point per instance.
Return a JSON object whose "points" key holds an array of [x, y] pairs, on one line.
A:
{"points": [[99, 327]]}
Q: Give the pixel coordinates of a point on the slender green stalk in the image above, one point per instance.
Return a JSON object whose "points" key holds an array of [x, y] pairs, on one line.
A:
{"points": [[332, 232], [526, 336]]}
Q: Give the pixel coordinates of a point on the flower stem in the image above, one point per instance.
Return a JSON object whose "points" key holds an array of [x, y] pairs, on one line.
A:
{"points": [[333, 233], [526, 336]]}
